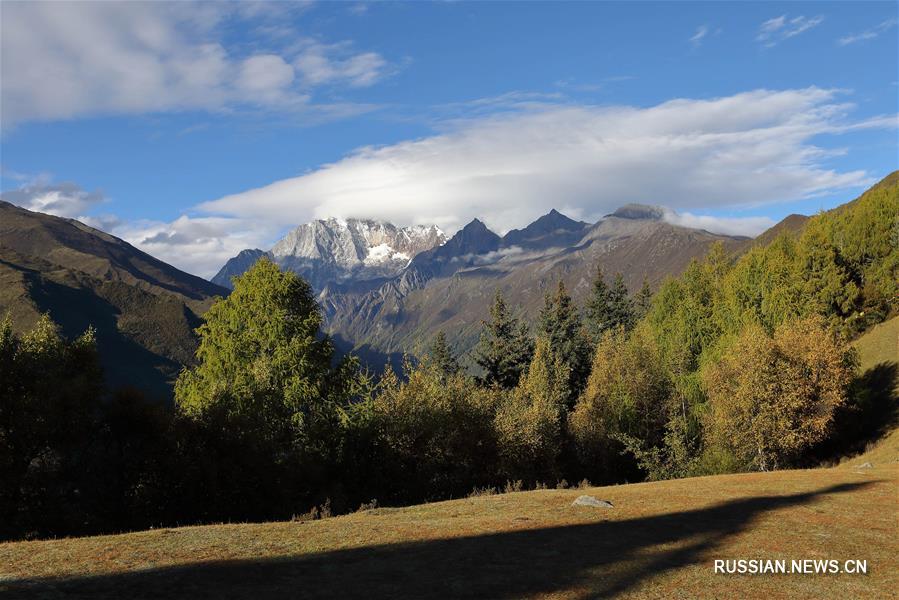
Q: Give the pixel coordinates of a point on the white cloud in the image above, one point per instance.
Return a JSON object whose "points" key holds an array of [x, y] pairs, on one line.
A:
{"points": [[868, 34], [697, 37], [749, 149], [748, 226], [778, 29], [199, 245], [324, 64], [508, 168], [265, 73], [63, 60], [65, 199]]}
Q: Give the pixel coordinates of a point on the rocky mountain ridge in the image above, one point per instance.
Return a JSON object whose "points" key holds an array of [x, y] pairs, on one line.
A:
{"points": [[335, 250]]}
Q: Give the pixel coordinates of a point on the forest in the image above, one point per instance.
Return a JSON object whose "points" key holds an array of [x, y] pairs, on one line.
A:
{"points": [[740, 363]]}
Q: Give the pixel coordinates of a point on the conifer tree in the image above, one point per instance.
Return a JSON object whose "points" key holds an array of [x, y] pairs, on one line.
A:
{"points": [[442, 356], [561, 325], [609, 307], [621, 307], [505, 347], [642, 301], [598, 307]]}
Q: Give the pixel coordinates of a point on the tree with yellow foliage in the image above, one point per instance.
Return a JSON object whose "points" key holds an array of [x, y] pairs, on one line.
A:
{"points": [[773, 397], [529, 419]]}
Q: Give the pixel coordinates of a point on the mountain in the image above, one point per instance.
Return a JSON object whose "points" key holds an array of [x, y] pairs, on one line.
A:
{"points": [[335, 251], [792, 224], [450, 288], [237, 266], [552, 230], [143, 309]]}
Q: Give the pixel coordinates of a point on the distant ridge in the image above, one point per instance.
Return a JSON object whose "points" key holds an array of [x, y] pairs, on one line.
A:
{"points": [[450, 288], [143, 309]]}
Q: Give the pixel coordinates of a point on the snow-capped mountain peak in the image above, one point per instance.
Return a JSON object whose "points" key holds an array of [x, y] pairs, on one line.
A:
{"points": [[334, 250]]}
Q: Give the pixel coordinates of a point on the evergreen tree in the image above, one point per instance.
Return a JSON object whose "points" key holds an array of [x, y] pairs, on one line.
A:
{"points": [[621, 307], [442, 356], [561, 325], [598, 306], [505, 347], [609, 307], [642, 301]]}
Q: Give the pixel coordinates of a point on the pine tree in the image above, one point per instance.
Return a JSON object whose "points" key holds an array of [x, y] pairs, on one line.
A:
{"points": [[598, 307], [621, 307], [442, 356], [505, 347], [561, 325], [642, 301]]}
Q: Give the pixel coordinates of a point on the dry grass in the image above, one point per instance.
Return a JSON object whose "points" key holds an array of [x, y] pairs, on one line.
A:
{"points": [[658, 541], [879, 345]]}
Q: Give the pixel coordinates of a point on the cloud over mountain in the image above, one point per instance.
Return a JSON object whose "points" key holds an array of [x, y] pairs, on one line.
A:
{"points": [[63, 199], [744, 150], [703, 159]]}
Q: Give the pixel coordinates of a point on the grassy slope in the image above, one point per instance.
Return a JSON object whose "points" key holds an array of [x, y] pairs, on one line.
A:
{"points": [[658, 541], [879, 345], [878, 349]]}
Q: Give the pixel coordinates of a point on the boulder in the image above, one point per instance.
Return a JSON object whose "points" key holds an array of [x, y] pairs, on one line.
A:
{"points": [[591, 501]]}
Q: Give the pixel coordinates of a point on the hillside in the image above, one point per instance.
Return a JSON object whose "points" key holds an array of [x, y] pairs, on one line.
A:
{"points": [[878, 354], [791, 224], [143, 309], [659, 540]]}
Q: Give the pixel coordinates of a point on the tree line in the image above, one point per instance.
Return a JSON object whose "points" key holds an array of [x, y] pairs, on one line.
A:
{"points": [[737, 364]]}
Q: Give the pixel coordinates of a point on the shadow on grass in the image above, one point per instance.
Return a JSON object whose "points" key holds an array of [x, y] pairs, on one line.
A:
{"points": [[871, 412], [603, 559]]}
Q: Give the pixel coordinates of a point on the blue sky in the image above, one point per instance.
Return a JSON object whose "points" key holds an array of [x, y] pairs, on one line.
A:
{"points": [[194, 130]]}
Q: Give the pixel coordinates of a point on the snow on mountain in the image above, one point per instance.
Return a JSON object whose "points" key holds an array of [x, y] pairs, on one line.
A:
{"points": [[337, 250]]}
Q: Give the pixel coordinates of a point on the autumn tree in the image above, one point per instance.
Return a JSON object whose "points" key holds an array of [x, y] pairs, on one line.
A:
{"points": [[827, 285], [627, 395], [772, 397], [268, 380], [529, 419], [50, 391], [431, 435]]}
